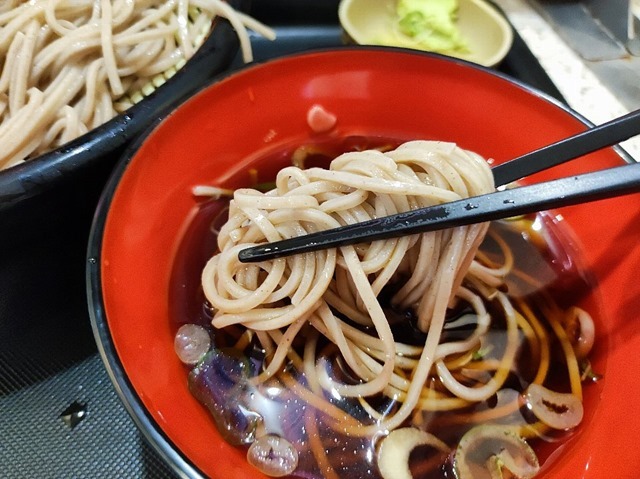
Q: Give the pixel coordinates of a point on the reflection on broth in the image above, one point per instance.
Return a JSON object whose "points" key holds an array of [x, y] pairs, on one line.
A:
{"points": [[495, 384]]}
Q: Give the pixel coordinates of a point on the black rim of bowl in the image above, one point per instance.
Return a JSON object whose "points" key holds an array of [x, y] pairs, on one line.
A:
{"points": [[31, 178], [132, 402]]}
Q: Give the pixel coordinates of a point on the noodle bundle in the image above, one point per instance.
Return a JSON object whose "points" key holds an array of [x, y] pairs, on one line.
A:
{"points": [[359, 186], [68, 66], [324, 321]]}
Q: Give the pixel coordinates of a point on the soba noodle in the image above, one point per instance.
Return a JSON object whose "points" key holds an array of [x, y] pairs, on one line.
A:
{"points": [[329, 304], [71, 65]]}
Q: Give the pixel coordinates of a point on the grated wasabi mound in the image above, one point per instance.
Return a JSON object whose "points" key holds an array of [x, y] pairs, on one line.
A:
{"points": [[427, 25]]}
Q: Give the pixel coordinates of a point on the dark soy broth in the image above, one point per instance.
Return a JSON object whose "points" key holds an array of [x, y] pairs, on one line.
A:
{"points": [[543, 250]]}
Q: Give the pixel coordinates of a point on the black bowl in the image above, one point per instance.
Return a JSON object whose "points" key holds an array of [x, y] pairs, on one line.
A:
{"points": [[46, 208]]}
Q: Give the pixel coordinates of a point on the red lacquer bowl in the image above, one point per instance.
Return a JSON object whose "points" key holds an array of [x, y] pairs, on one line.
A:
{"points": [[373, 91]]}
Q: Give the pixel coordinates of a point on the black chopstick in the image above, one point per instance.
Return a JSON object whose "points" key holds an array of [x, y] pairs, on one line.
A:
{"points": [[592, 139], [568, 191], [494, 205]]}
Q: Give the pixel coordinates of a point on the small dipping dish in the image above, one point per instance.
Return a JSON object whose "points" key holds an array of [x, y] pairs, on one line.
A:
{"points": [[486, 32]]}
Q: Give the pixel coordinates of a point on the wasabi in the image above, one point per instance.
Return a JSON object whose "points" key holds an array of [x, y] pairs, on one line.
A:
{"points": [[427, 25]]}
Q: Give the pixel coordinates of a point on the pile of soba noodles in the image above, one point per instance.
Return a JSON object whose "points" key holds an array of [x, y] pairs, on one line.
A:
{"points": [[68, 66], [396, 358]]}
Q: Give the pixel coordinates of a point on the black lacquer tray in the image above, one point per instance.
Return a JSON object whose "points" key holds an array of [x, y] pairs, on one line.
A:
{"points": [[59, 413]]}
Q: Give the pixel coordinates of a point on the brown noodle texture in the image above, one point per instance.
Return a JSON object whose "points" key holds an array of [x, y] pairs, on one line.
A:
{"points": [[68, 66]]}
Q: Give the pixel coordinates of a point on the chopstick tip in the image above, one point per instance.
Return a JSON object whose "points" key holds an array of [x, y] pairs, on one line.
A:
{"points": [[245, 255], [254, 254]]}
